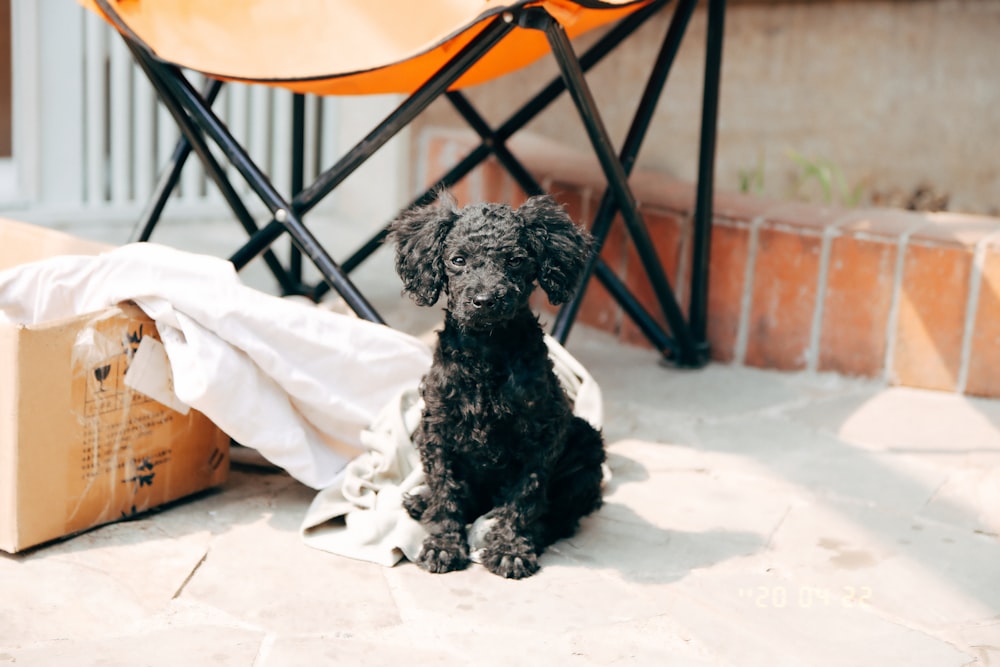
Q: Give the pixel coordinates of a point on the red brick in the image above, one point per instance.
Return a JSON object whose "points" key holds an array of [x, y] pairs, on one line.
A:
{"points": [[727, 268], [495, 181], [517, 195], [806, 217], [955, 229], [931, 321], [597, 309], [433, 160], [887, 224], [984, 359], [856, 306], [783, 299], [738, 207], [669, 234]]}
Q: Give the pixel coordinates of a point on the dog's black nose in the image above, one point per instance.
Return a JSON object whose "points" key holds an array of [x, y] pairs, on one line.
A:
{"points": [[482, 299]]}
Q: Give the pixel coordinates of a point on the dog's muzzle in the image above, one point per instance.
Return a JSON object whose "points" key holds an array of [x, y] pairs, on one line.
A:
{"points": [[482, 308]]}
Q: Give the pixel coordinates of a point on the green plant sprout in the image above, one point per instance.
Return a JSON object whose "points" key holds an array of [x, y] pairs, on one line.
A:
{"points": [[828, 176], [752, 179]]}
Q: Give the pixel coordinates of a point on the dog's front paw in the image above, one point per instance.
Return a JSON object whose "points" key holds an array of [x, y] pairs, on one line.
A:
{"points": [[415, 505], [513, 560], [444, 553]]}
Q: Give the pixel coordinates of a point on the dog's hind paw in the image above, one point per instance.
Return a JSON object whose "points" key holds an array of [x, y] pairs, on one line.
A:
{"points": [[444, 553], [511, 561]]}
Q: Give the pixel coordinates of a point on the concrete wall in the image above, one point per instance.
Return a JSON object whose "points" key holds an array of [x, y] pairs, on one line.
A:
{"points": [[892, 94]]}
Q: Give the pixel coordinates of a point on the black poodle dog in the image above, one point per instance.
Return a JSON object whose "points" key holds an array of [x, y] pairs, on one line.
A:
{"points": [[498, 436]]}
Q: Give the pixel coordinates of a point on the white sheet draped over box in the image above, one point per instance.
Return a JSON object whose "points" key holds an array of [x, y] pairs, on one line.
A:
{"points": [[328, 397], [295, 382]]}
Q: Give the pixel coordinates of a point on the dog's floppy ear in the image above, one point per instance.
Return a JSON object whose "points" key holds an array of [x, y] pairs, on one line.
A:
{"points": [[561, 247], [419, 236]]}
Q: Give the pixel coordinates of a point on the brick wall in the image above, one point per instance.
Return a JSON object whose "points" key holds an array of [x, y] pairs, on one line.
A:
{"points": [[910, 298]]}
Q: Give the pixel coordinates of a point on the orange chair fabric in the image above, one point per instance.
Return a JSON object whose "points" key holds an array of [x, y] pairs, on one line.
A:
{"points": [[344, 46]]}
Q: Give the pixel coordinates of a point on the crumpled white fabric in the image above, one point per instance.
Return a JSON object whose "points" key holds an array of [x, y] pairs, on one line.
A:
{"points": [[295, 382], [362, 516]]}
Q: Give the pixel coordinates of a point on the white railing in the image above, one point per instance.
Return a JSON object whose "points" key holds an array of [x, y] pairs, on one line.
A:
{"points": [[128, 136], [90, 137]]}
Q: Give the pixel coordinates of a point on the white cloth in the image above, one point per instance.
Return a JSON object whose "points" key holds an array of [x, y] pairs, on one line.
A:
{"points": [[295, 382], [362, 515]]}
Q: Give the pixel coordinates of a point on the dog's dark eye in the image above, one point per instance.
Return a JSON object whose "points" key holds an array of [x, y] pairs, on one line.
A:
{"points": [[515, 261], [458, 260]]}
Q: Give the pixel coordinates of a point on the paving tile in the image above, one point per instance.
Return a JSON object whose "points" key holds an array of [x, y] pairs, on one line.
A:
{"points": [[683, 490], [785, 279], [341, 650], [753, 518], [932, 575], [772, 619], [984, 352], [659, 640], [127, 571], [857, 300], [458, 643], [970, 496], [798, 462], [677, 393], [38, 602], [649, 555], [167, 647], [565, 595], [289, 577], [909, 420], [931, 322]]}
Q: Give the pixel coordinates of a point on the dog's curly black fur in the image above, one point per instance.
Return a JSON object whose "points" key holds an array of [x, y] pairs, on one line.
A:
{"points": [[498, 436]]}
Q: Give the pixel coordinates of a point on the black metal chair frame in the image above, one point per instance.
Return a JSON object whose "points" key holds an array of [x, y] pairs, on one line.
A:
{"points": [[686, 343]]}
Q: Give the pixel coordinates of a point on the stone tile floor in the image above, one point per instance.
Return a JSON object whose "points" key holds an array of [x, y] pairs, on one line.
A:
{"points": [[753, 518]]}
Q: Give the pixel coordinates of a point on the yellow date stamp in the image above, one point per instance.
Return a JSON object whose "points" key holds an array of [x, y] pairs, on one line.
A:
{"points": [[807, 597]]}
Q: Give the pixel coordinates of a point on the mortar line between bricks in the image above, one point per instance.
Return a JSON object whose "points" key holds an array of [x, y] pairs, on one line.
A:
{"points": [[684, 261], [812, 351], [972, 310], [892, 322], [746, 299]]}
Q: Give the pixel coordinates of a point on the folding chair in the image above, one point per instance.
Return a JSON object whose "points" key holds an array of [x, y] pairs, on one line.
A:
{"points": [[425, 50]]}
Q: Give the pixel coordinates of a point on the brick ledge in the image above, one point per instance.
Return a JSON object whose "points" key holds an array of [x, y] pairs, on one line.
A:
{"points": [[910, 298]]}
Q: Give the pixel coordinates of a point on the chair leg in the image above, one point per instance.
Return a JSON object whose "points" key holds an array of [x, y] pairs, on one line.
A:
{"points": [[611, 39], [212, 167], [635, 311], [282, 211], [604, 45], [298, 175], [170, 175], [189, 109], [627, 157], [706, 169], [617, 180]]}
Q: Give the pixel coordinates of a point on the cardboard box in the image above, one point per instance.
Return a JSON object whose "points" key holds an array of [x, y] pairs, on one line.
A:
{"points": [[79, 448]]}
